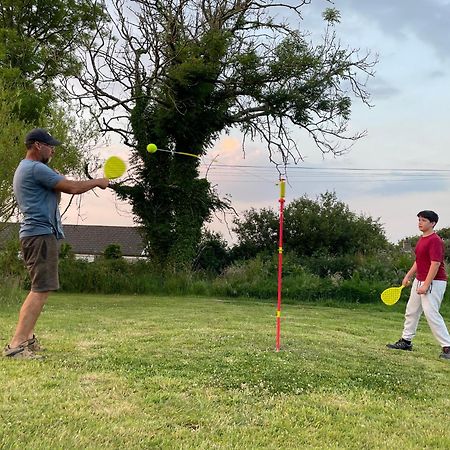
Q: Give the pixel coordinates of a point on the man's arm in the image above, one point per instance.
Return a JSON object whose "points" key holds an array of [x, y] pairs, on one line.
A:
{"points": [[79, 187], [432, 271]]}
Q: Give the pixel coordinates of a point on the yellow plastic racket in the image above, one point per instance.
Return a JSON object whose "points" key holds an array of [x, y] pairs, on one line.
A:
{"points": [[114, 167], [390, 296]]}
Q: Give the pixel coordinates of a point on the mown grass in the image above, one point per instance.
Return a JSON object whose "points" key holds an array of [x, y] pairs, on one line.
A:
{"points": [[183, 373]]}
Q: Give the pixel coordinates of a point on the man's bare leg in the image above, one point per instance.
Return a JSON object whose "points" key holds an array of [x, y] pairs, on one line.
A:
{"points": [[28, 316]]}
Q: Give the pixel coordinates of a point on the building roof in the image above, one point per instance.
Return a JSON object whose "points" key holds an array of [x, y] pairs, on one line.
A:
{"points": [[91, 239]]}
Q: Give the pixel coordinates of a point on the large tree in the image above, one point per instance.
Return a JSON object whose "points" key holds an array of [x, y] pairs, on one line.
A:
{"points": [[181, 72], [38, 43]]}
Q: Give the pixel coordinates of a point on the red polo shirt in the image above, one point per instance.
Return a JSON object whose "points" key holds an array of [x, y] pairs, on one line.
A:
{"points": [[430, 248]]}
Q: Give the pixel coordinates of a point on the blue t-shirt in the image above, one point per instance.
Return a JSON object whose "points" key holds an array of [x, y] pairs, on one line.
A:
{"points": [[33, 188]]}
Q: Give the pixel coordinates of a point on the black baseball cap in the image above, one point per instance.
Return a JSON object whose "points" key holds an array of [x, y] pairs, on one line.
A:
{"points": [[41, 135]]}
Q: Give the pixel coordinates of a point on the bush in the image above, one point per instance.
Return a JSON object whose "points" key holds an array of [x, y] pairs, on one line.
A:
{"points": [[118, 276], [112, 251], [13, 275], [65, 251], [212, 253], [11, 264], [355, 278], [324, 226], [258, 278], [12, 292], [357, 290], [108, 276]]}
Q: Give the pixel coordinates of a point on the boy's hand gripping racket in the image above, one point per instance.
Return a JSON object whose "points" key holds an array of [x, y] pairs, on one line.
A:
{"points": [[390, 296]]}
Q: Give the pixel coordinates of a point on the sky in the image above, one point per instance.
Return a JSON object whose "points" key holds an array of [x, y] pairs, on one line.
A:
{"points": [[401, 167]]}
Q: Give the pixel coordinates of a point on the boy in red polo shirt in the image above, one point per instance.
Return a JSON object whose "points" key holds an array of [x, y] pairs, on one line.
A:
{"points": [[428, 287]]}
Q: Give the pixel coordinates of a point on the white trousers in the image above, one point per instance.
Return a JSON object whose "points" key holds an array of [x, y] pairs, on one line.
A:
{"points": [[429, 304]]}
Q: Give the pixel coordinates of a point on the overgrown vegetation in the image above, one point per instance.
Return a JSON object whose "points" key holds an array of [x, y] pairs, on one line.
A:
{"points": [[13, 277], [350, 279], [319, 227], [331, 253]]}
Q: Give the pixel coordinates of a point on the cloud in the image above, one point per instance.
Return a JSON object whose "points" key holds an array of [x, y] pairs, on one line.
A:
{"points": [[405, 186], [437, 74], [398, 215], [428, 20], [381, 89]]}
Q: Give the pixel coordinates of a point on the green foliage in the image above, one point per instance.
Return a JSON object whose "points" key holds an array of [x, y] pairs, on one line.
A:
{"points": [[68, 157], [113, 251], [197, 72], [257, 232], [38, 49], [13, 276], [103, 275], [212, 253], [12, 132], [11, 264], [253, 278], [257, 278], [66, 251], [38, 43], [444, 233], [321, 227], [170, 201], [115, 276], [345, 279], [387, 265], [332, 15], [327, 226]]}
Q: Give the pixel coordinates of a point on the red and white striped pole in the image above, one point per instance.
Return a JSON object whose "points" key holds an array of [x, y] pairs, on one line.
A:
{"points": [[280, 260]]}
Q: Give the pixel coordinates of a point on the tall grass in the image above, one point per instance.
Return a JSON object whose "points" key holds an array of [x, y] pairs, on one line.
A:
{"points": [[257, 278], [122, 277], [11, 292], [355, 278]]}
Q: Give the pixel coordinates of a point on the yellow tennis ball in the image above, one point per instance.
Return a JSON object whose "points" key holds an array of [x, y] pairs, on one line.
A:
{"points": [[151, 148]]}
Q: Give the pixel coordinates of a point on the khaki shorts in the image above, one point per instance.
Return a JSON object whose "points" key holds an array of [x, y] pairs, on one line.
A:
{"points": [[40, 254]]}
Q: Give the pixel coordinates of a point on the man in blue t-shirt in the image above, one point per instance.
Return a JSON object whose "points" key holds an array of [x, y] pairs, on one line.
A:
{"points": [[37, 189]]}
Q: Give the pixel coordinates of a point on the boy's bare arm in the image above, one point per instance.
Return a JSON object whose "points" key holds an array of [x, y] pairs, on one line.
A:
{"points": [[409, 275]]}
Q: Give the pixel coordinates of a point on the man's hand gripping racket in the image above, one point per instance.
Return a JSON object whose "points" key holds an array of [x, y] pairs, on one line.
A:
{"points": [[114, 168]]}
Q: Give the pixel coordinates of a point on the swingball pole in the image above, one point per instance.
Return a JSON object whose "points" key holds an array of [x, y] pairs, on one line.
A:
{"points": [[282, 185]]}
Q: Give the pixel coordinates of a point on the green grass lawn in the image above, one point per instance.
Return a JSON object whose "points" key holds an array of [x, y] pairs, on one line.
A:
{"points": [[188, 373]]}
